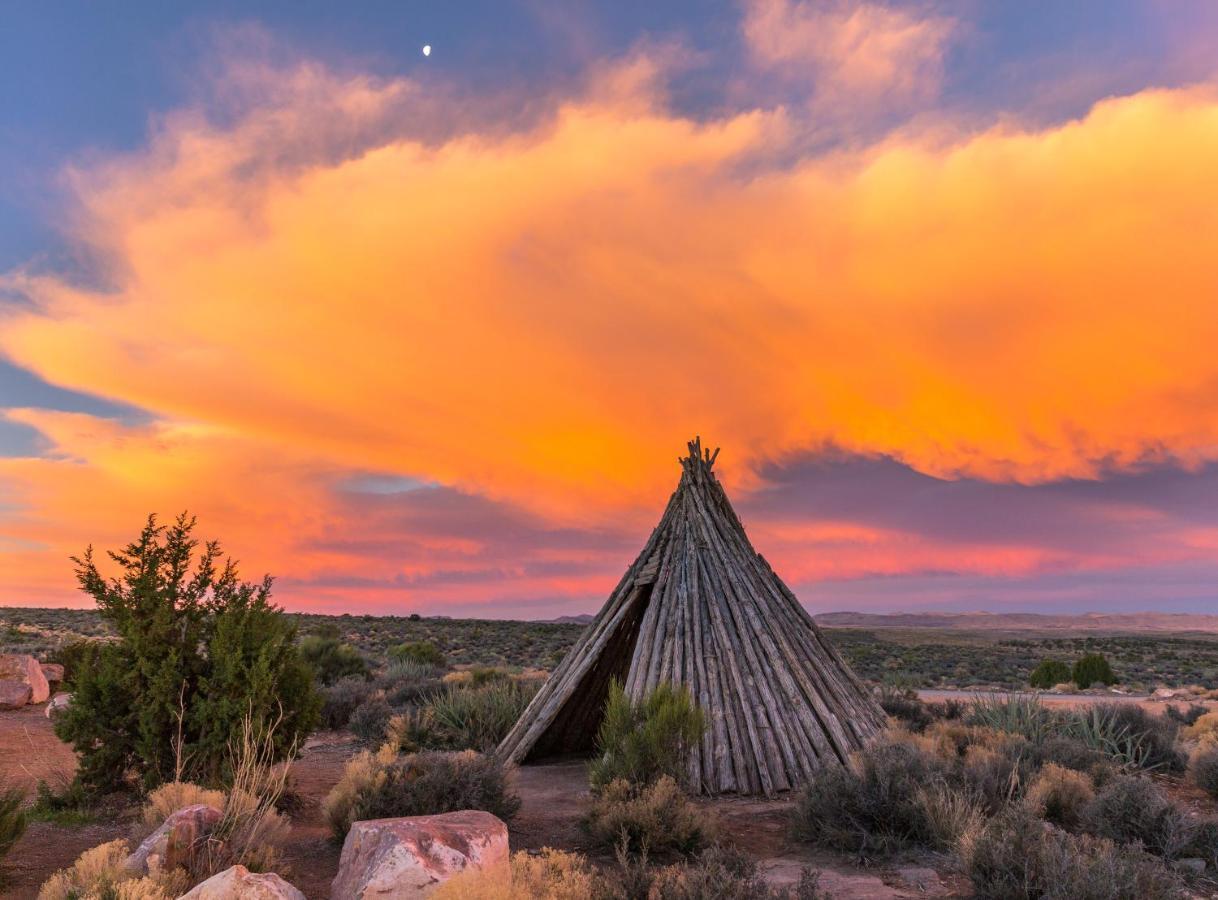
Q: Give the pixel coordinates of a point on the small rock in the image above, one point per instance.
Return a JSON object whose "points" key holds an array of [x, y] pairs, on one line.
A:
{"points": [[390, 859], [52, 672], [239, 883], [23, 667], [58, 703], [173, 844], [918, 878], [1163, 693], [14, 694], [1190, 864]]}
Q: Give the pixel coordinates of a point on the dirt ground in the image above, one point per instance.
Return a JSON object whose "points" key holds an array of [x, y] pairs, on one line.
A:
{"points": [[552, 798]]}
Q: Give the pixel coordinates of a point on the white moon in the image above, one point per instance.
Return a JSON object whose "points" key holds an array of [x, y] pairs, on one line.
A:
{"points": [[427, 49]]}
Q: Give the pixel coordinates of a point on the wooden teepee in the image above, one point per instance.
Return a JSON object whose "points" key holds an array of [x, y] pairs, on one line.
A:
{"points": [[700, 607]]}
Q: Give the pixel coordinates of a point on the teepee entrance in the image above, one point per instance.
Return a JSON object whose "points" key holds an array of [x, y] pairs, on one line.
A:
{"points": [[700, 607]]}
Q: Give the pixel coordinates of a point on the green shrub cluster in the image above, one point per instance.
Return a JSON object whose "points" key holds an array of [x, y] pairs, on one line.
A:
{"points": [[198, 651], [424, 652], [1049, 673], [330, 658], [641, 742], [1092, 668]]}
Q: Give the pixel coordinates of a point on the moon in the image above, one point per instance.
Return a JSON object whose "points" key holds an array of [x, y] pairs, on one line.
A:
{"points": [[427, 49]]}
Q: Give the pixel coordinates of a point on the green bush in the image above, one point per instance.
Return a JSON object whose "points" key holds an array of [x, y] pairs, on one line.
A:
{"points": [[424, 652], [12, 818], [476, 718], [198, 650], [655, 818], [1203, 770], [906, 707], [1020, 857], [75, 655], [331, 659], [1049, 673], [1131, 809], [424, 784], [406, 681], [641, 742], [1092, 668]]}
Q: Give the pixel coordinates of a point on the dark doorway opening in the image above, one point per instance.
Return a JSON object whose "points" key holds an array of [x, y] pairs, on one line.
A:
{"points": [[574, 728]]}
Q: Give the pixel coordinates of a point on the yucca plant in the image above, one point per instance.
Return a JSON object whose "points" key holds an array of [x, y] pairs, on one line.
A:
{"points": [[1021, 714], [477, 718]]}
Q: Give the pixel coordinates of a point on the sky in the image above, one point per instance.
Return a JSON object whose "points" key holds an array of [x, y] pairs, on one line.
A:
{"points": [[427, 333]]}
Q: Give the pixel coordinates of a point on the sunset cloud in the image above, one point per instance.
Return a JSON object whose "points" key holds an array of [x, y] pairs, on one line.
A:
{"points": [[336, 275]]}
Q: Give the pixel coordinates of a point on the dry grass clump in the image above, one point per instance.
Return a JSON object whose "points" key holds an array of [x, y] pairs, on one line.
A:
{"points": [[1204, 729], [175, 795], [98, 874], [549, 875], [1059, 795], [1203, 768], [722, 873], [655, 819]]}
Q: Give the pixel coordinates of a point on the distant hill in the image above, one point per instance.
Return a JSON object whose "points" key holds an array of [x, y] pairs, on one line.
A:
{"points": [[1110, 623], [581, 619]]}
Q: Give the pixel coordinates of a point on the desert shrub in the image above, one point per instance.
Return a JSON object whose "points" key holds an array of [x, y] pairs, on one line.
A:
{"points": [[1092, 668], [907, 708], [197, 651], [949, 710], [174, 795], [1128, 735], [879, 807], [370, 719], [1131, 809], [421, 784], [1049, 672], [476, 718], [998, 773], [341, 699], [650, 818], [719, 871], [1203, 769], [363, 774], [13, 818], [424, 652], [1203, 844], [1021, 857], [1059, 795], [1187, 716], [1019, 714], [548, 875], [641, 742], [98, 874], [1069, 753], [331, 659]]}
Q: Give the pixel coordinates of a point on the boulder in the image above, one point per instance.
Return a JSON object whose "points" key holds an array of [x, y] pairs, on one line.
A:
{"points": [[58, 703], [175, 842], [389, 859], [14, 694], [918, 877], [239, 883], [52, 672], [22, 667]]}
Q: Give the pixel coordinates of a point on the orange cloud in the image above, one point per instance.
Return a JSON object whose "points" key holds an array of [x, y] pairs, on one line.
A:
{"points": [[543, 316]]}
